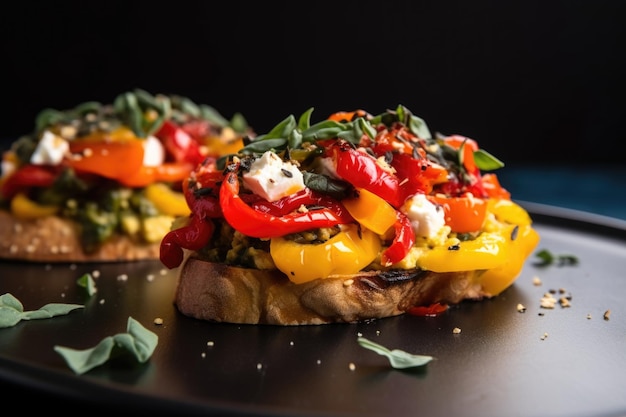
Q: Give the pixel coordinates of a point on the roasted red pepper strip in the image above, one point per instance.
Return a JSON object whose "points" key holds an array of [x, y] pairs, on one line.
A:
{"points": [[469, 147], [417, 175], [202, 195], [286, 205], [397, 140], [193, 236], [29, 176], [402, 242], [362, 171], [492, 187], [180, 143], [255, 223], [431, 310], [199, 230]]}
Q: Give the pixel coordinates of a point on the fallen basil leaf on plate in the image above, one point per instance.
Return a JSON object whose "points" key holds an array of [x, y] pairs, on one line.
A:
{"points": [[139, 342], [547, 258], [12, 311], [398, 359], [86, 281]]}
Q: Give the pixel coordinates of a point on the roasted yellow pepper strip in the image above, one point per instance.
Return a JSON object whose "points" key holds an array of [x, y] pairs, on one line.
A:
{"points": [[24, 208], [501, 249], [487, 251], [166, 200], [228, 142], [371, 211], [347, 252], [496, 280]]}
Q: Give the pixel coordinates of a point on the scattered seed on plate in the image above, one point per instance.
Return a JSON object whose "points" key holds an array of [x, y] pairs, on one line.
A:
{"points": [[548, 300], [456, 330], [158, 321], [521, 308], [536, 281], [352, 366], [607, 314], [544, 336]]}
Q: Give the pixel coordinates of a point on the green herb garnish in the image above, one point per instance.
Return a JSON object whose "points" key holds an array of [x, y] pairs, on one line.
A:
{"points": [[547, 258], [12, 311], [398, 359], [138, 341], [86, 281]]}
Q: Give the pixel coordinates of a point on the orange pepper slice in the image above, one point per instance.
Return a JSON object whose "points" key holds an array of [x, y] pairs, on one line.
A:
{"points": [[463, 214], [114, 160], [166, 172]]}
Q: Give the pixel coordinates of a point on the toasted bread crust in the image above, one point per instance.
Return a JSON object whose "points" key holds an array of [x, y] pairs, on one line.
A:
{"points": [[54, 239], [222, 293]]}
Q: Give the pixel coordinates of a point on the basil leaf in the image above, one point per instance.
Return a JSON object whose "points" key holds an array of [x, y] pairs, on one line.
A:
{"points": [[238, 123], [547, 258], [50, 310], [398, 359], [86, 281], [9, 301], [281, 130], [262, 146], [325, 129], [325, 185], [138, 342], [12, 311], [304, 122], [416, 124], [295, 139], [486, 161]]}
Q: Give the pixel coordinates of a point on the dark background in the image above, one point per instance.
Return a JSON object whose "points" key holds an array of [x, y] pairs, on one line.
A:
{"points": [[532, 81]]}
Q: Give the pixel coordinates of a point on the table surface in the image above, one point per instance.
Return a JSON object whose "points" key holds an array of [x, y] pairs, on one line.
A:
{"points": [[595, 189]]}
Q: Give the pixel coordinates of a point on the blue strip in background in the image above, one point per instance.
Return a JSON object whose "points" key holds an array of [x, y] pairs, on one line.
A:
{"points": [[598, 189]]}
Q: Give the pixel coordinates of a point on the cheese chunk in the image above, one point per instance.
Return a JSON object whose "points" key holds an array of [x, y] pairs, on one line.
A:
{"points": [[272, 178], [153, 152], [50, 150], [426, 218]]}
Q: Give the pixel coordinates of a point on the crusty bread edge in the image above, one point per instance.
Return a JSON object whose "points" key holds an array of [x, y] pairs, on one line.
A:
{"points": [[55, 239], [221, 293]]}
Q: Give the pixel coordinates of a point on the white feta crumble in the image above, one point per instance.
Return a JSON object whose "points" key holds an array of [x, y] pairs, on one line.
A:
{"points": [[272, 178], [50, 150], [153, 152], [327, 167], [7, 168], [426, 218]]}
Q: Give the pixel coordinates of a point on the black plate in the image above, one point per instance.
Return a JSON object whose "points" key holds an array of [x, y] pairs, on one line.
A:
{"points": [[562, 362]]}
